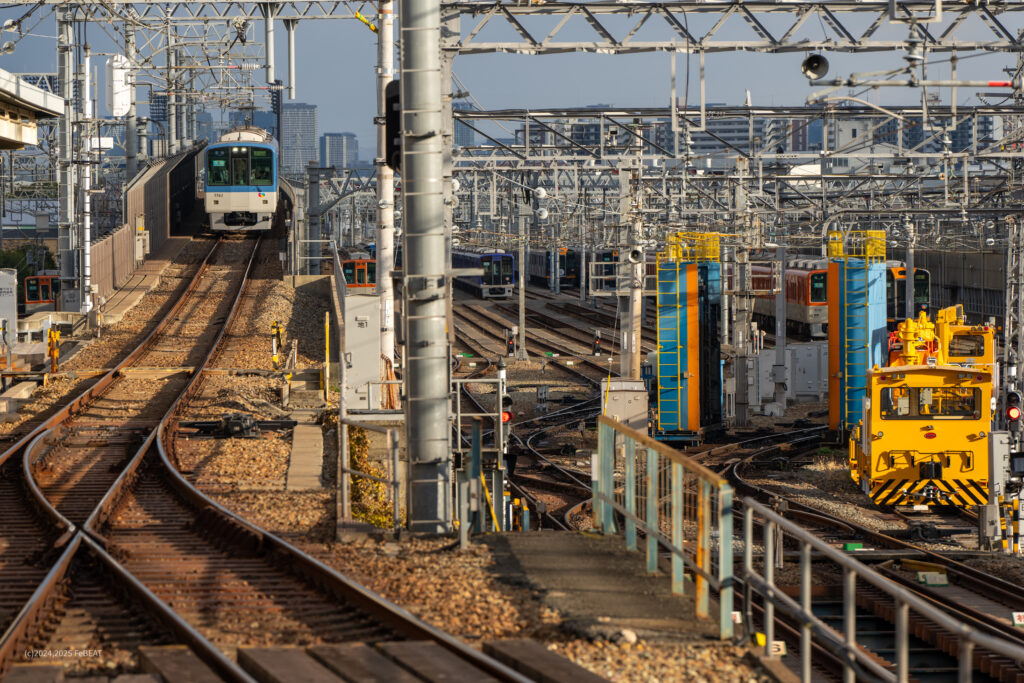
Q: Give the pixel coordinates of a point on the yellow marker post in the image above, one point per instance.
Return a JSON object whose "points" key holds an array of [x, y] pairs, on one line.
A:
{"points": [[325, 376]]}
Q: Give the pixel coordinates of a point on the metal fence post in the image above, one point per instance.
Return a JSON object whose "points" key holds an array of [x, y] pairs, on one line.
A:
{"points": [[677, 527], [396, 505], [703, 546], [608, 486], [630, 494], [652, 510], [725, 568], [605, 451], [805, 605], [474, 477], [850, 623], [769, 578], [748, 567], [966, 661], [902, 646]]}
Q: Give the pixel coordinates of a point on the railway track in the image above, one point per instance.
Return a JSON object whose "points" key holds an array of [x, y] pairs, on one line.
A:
{"points": [[56, 474]]}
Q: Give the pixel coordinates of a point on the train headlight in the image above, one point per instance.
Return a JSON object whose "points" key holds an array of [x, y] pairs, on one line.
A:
{"points": [[879, 435]]}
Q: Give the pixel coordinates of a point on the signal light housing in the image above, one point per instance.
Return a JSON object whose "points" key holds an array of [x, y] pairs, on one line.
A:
{"points": [[506, 416]]}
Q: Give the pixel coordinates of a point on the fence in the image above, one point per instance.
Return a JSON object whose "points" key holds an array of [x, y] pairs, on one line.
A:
{"points": [[857, 663], [676, 503]]}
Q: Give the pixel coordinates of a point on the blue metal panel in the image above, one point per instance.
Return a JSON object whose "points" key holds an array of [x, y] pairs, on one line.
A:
{"points": [[671, 321], [863, 330]]}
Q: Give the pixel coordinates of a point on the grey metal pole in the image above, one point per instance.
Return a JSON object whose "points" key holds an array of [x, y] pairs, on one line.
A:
{"points": [[385, 183], [779, 370], [131, 131], [629, 362], [289, 27], [172, 113], [66, 219], [311, 265], [521, 353], [268, 39], [909, 270], [425, 283]]}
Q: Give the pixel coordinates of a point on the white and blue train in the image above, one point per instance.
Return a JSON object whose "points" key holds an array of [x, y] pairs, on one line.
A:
{"points": [[240, 180], [499, 272]]}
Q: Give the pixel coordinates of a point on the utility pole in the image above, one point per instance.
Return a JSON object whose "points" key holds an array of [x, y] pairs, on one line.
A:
{"points": [[67, 224], [85, 136], [779, 369], [131, 125], [425, 284], [909, 278], [521, 353], [629, 363], [172, 114], [385, 184]]}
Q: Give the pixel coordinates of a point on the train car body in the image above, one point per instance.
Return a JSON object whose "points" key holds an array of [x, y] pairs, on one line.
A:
{"points": [[923, 437], [499, 269], [240, 181], [359, 273], [807, 296], [539, 267]]}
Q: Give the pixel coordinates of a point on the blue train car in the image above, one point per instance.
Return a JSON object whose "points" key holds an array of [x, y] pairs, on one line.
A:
{"points": [[498, 279], [539, 267], [240, 181]]}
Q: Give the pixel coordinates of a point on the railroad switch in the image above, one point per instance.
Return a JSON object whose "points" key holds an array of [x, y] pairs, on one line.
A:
{"points": [[234, 425]]}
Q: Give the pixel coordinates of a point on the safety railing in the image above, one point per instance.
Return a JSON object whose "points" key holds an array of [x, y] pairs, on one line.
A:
{"points": [[858, 663], [676, 503], [391, 481]]}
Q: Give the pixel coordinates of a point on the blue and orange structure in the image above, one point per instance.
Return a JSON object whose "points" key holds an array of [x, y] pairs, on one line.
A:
{"points": [[857, 332], [689, 378]]}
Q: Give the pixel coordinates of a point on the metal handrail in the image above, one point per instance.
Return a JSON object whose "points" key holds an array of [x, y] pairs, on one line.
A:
{"points": [[857, 662], [678, 492]]}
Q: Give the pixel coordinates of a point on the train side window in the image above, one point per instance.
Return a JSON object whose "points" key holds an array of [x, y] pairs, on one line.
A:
{"points": [[921, 286], [262, 166], [371, 272], [819, 288], [967, 345], [217, 167], [32, 289], [506, 266]]}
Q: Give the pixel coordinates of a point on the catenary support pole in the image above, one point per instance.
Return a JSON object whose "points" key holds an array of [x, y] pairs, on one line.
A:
{"points": [[289, 27], [909, 278], [779, 369], [131, 132], [172, 109], [424, 278], [268, 36], [85, 136], [521, 353], [385, 184], [66, 222]]}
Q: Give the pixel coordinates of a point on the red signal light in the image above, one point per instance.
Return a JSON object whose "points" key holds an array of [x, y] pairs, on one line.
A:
{"points": [[1013, 413], [506, 416]]}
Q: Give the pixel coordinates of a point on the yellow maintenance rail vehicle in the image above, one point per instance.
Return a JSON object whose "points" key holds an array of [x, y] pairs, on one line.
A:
{"points": [[923, 438]]}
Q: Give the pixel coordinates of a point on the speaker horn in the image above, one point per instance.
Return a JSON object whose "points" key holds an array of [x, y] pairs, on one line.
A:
{"points": [[814, 67], [636, 256]]}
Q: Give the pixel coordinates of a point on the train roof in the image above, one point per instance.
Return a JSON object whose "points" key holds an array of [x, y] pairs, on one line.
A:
{"points": [[247, 134], [479, 250]]}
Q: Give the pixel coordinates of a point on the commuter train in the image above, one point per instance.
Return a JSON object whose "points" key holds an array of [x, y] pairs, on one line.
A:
{"points": [[923, 439], [608, 269], [499, 271], [807, 295], [359, 272], [240, 180], [539, 267]]}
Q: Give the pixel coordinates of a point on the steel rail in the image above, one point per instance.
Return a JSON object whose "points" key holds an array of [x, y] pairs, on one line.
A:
{"points": [[271, 545]]}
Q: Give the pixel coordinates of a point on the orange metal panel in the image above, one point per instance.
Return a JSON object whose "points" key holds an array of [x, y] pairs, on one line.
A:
{"points": [[692, 347]]}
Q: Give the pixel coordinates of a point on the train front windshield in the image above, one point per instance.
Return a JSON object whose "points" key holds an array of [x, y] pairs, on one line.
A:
{"points": [[819, 288], [922, 287], [506, 270], [239, 166], [926, 403], [491, 270]]}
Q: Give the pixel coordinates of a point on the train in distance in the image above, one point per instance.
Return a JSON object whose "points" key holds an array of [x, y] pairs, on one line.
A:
{"points": [[807, 296], [240, 176]]}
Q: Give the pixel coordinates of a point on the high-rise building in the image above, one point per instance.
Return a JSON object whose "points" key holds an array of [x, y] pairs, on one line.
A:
{"points": [[464, 135], [340, 150], [298, 137]]}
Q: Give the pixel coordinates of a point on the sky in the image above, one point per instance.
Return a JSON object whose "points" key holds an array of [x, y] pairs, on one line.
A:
{"points": [[336, 62]]}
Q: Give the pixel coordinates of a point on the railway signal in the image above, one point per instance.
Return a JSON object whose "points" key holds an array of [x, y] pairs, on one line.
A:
{"points": [[510, 343], [1013, 410], [597, 342]]}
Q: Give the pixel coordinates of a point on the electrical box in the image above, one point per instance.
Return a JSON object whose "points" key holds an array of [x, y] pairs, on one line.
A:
{"points": [[625, 400], [9, 300], [141, 244], [362, 350], [1000, 466]]}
